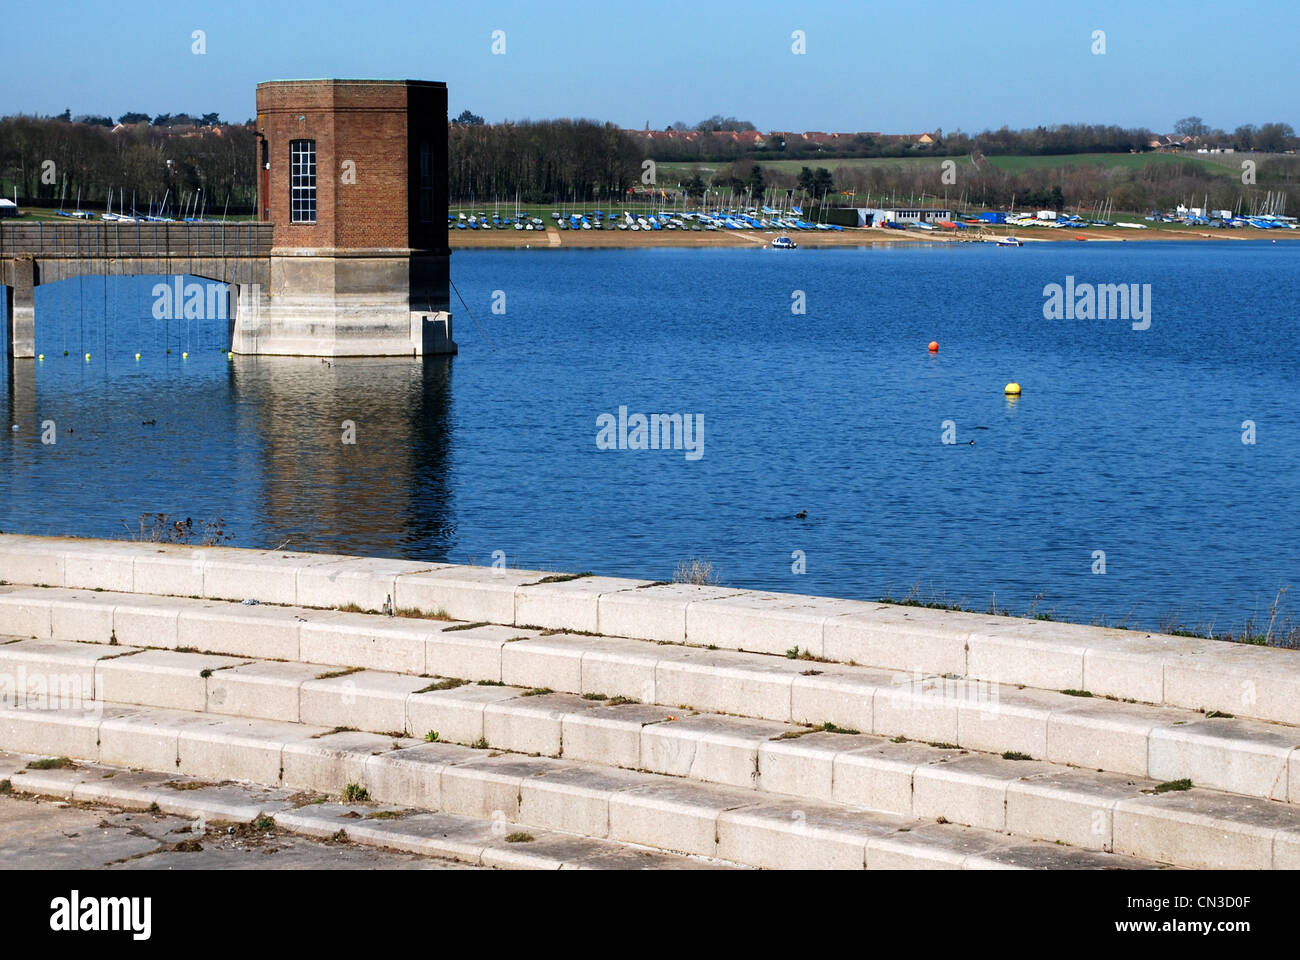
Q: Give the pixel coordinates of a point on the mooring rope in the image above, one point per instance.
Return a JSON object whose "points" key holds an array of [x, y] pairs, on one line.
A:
{"points": [[471, 315]]}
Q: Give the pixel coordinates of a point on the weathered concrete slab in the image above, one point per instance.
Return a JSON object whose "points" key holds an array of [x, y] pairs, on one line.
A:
{"points": [[1070, 806], [262, 689], [912, 639], [376, 643], [719, 683], [763, 622], [264, 575], [609, 734], [455, 715], [574, 799], [471, 594], [970, 789], [713, 749], [1197, 829], [531, 724], [674, 816], [489, 788], [412, 776], [568, 604], [365, 582], [797, 835], [266, 632], [54, 671], [367, 700], [1240, 756], [159, 678], [328, 762], [470, 652], [656, 612]]}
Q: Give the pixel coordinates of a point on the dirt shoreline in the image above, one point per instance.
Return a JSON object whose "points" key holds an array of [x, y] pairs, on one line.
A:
{"points": [[624, 239]]}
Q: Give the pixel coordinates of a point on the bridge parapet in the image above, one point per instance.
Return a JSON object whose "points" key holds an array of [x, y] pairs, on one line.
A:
{"points": [[232, 252], [117, 240]]}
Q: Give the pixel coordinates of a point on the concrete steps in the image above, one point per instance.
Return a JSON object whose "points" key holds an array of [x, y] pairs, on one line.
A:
{"points": [[668, 814], [926, 782], [466, 839], [1185, 672], [1249, 757], [704, 729]]}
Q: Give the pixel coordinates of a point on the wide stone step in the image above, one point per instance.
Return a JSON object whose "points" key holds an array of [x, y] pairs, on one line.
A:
{"points": [[1186, 672], [666, 813], [470, 840], [1032, 799], [1248, 757]]}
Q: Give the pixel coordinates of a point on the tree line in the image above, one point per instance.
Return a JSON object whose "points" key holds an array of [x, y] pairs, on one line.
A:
{"points": [[1036, 141], [133, 117], [53, 160], [1137, 189], [541, 161], [1154, 185]]}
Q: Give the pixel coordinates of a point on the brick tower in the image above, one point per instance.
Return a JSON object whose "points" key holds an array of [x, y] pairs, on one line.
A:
{"points": [[352, 173]]}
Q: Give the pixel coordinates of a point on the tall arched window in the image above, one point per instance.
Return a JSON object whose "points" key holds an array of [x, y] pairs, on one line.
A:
{"points": [[302, 181]]}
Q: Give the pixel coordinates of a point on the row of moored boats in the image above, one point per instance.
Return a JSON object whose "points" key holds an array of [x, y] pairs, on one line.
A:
{"points": [[763, 220]]}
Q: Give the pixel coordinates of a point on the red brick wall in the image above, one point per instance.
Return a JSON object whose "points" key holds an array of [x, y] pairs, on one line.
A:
{"points": [[376, 125]]}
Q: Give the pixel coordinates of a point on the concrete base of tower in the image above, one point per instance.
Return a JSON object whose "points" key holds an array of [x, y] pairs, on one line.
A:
{"points": [[353, 303]]}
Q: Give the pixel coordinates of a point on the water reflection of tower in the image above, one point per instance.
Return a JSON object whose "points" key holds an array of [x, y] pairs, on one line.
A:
{"points": [[385, 494]]}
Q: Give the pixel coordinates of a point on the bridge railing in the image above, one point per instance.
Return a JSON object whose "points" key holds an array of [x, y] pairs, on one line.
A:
{"points": [[116, 240]]}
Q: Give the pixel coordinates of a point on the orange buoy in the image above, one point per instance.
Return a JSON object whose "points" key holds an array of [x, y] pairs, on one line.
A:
{"points": [[934, 346]]}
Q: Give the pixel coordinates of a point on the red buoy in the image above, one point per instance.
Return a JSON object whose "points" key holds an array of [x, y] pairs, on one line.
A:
{"points": [[934, 346]]}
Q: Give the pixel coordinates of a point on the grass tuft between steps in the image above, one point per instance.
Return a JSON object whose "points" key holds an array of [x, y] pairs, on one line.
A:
{"points": [[445, 683], [331, 674], [51, 763]]}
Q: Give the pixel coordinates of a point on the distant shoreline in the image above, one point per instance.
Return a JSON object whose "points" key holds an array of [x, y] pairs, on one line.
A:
{"points": [[856, 237]]}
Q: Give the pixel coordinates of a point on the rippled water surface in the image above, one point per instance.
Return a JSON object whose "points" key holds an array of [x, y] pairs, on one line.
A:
{"points": [[1127, 442]]}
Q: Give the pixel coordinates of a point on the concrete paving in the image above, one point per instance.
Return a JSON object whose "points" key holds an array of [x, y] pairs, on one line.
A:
{"points": [[40, 834]]}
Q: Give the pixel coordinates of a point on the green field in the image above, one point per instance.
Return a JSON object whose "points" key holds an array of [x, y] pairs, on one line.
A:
{"points": [[1112, 160], [670, 173], [1228, 164]]}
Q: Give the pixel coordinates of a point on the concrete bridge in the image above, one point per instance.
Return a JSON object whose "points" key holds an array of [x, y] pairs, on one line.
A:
{"points": [[32, 254], [348, 258]]}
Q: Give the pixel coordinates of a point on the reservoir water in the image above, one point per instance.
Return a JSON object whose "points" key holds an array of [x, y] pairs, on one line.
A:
{"points": [[1124, 453]]}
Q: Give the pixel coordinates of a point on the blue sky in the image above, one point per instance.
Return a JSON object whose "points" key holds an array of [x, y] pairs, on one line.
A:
{"points": [[893, 67]]}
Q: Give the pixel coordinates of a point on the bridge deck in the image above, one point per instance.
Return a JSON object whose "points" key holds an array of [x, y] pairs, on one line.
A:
{"points": [[234, 251]]}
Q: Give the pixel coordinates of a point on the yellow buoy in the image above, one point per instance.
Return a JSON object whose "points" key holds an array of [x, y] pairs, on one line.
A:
{"points": [[185, 356], [41, 357], [137, 356], [230, 355], [87, 356], [1012, 390]]}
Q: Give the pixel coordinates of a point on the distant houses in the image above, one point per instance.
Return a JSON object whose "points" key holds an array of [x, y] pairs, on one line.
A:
{"points": [[780, 139], [1173, 143]]}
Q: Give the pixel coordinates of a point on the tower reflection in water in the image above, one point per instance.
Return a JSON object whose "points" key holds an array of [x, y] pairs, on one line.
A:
{"points": [[353, 454]]}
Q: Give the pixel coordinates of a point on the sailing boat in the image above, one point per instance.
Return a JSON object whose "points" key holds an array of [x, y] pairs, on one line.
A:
{"points": [[1010, 240]]}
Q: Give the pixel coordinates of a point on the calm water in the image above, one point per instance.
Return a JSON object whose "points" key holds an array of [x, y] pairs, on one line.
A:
{"points": [[1127, 442]]}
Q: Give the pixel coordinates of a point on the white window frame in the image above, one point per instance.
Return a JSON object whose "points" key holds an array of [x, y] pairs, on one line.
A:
{"points": [[302, 181]]}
